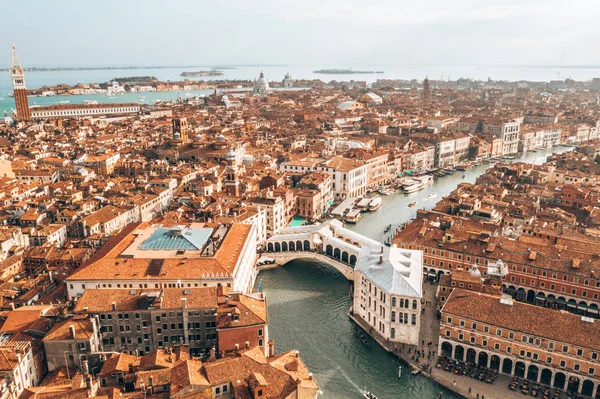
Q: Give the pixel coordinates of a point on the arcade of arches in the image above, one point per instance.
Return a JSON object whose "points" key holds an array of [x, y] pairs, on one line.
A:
{"points": [[512, 366]]}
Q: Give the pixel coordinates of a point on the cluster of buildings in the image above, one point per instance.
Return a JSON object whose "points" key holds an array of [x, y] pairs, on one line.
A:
{"points": [[522, 240], [129, 234]]}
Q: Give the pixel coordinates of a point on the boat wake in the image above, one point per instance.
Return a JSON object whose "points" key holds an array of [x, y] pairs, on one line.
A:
{"points": [[349, 380]]}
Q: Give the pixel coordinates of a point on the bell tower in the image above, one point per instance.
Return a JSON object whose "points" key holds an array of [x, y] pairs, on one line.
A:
{"points": [[19, 89]]}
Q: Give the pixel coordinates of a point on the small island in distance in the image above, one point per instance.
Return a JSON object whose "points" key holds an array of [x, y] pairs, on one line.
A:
{"points": [[342, 71], [203, 73]]}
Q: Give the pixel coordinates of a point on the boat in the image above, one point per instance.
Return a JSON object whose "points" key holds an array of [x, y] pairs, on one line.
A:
{"points": [[388, 228], [363, 338], [353, 216], [90, 102], [411, 186], [375, 204], [385, 191], [425, 179], [64, 101], [416, 372], [412, 204], [363, 204], [369, 395], [509, 157], [433, 195]]}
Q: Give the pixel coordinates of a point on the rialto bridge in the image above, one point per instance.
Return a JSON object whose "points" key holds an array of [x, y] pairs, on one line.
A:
{"points": [[329, 242]]}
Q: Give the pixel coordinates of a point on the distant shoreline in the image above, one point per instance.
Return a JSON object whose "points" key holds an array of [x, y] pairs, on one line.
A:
{"points": [[344, 71], [110, 68]]}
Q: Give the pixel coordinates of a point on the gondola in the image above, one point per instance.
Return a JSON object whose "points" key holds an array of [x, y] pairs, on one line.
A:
{"points": [[363, 338]]}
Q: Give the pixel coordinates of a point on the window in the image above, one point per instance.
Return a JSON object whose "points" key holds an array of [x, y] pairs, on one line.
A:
{"points": [[563, 363], [549, 360], [577, 367], [499, 333], [474, 326], [414, 319], [592, 371], [565, 349], [393, 333]]}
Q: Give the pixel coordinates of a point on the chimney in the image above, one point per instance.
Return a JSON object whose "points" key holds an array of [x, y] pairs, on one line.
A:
{"points": [[297, 354], [72, 331], [380, 259], [271, 345], [247, 343], [310, 376], [85, 367], [12, 305], [114, 306], [237, 347], [213, 354], [381, 250]]}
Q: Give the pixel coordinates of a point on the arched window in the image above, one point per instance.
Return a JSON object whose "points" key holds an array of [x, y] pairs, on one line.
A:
{"points": [[393, 333], [405, 318], [393, 317], [401, 302], [414, 304], [414, 319], [393, 301]]}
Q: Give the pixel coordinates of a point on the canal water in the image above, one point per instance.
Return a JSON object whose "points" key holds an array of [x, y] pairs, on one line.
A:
{"points": [[308, 303]]}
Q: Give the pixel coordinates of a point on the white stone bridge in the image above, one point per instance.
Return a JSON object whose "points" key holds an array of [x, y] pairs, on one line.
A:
{"points": [[328, 242]]}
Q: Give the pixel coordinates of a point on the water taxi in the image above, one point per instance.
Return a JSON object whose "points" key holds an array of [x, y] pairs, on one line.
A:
{"points": [[353, 216], [412, 204], [375, 204], [369, 395], [90, 102]]}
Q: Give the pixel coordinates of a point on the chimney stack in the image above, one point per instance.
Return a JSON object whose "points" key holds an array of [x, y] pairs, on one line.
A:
{"points": [[237, 347], [213, 354], [12, 305], [85, 367], [380, 259], [114, 306], [271, 345], [247, 345], [72, 331]]}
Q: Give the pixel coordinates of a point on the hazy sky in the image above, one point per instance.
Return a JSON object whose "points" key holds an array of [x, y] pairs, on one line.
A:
{"points": [[301, 32]]}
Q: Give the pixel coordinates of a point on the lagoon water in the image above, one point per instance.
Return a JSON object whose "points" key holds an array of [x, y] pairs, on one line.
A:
{"points": [[276, 73]]}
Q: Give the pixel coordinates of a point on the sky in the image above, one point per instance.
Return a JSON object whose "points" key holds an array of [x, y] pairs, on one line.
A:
{"points": [[301, 32]]}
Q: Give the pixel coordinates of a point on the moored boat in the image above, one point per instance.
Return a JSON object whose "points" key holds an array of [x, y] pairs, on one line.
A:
{"points": [[363, 338], [369, 395], [412, 204], [412, 185], [375, 204], [353, 216]]}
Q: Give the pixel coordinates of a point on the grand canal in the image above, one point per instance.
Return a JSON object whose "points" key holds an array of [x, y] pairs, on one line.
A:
{"points": [[308, 304]]}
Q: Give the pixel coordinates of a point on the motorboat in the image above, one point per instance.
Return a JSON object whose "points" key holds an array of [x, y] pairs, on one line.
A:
{"points": [[375, 204], [90, 102], [412, 204], [369, 395], [64, 101], [433, 195]]}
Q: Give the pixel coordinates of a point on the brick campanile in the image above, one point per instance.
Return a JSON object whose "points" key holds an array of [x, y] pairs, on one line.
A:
{"points": [[19, 89]]}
